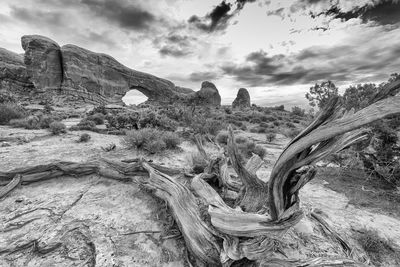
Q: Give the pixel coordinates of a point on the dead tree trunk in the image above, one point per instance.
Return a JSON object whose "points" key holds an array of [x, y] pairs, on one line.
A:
{"points": [[257, 226]]}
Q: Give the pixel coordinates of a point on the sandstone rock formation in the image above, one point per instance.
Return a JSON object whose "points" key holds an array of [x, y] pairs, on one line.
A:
{"points": [[43, 62], [207, 96], [242, 99], [13, 75], [72, 73], [101, 78]]}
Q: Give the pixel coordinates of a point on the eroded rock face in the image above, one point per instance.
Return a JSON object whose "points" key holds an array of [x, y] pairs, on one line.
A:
{"points": [[43, 62], [13, 74], [242, 99], [73, 74], [101, 78], [207, 96]]}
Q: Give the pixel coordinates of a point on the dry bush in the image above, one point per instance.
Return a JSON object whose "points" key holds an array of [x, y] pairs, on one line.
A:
{"points": [[57, 128], [378, 249], [97, 118], [85, 137], [151, 139], [9, 111]]}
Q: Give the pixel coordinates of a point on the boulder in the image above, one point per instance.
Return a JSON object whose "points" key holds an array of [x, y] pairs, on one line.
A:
{"points": [[242, 99], [43, 62], [208, 95]]}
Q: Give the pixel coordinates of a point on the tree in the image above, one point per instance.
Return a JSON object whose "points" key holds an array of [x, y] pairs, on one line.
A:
{"points": [[320, 94], [379, 155], [357, 97]]}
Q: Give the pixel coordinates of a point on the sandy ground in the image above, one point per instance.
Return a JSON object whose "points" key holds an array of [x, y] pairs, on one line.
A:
{"points": [[98, 219]]}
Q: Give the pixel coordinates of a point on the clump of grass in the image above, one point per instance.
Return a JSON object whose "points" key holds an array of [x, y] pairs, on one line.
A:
{"points": [[171, 140], [57, 128], [151, 139], [377, 248]]}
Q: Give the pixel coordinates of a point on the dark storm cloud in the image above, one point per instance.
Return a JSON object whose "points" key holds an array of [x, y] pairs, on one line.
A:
{"points": [[217, 19], [241, 3], [313, 65], [128, 15], [383, 13], [203, 76]]}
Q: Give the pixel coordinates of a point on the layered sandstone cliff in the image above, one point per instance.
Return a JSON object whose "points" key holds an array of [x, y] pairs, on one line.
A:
{"points": [[77, 74]]}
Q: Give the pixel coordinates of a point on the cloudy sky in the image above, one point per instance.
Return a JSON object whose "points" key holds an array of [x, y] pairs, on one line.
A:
{"points": [[275, 49]]}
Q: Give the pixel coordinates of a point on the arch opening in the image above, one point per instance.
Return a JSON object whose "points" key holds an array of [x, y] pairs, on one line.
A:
{"points": [[134, 97]]}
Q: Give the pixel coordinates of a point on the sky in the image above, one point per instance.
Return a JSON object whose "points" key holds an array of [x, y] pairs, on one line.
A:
{"points": [[275, 49]]}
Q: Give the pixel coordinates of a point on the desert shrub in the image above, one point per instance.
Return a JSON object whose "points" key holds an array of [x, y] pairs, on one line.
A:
{"points": [[271, 136], [124, 120], [243, 127], [290, 125], [99, 109], [260, 151], [254, 130], [240, 140], [296, 121], [97, 118], [154, 146], [298, 111], [9, 111], [263, 124], [262, 130], [57, 128], [246, 148], [161, 121], [207, 126], [85, 137], [222, 138], [171, 140], [45, 121], [137, 138], [276, 123], [31, 122], [151, 139], [86, 124], [377, 247]]}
